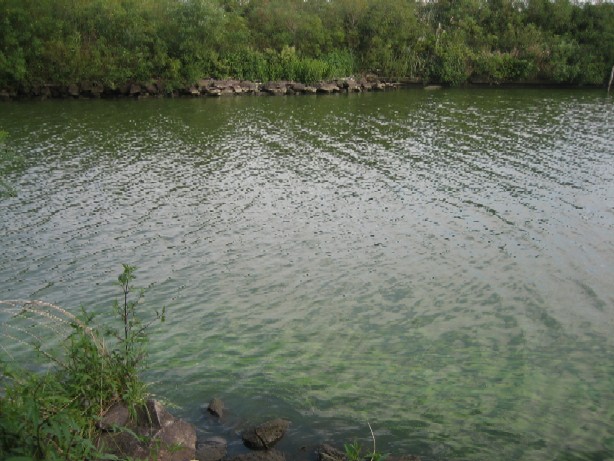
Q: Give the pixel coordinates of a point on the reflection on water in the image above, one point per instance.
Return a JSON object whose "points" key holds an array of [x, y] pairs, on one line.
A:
{"points": [[439, 264]]}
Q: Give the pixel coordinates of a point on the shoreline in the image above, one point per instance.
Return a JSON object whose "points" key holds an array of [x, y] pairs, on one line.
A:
{"points": [[154, 430], [210, 87]]}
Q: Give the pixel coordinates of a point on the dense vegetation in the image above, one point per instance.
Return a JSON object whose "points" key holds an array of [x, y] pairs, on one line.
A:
{"points": [[180, 41], [50, 412]]}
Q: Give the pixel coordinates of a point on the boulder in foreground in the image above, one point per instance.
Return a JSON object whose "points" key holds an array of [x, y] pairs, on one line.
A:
{"points": [[154, 434], [265, 435]]}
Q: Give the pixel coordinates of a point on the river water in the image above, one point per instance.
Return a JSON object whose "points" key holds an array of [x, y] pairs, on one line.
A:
{"points": [[439, 265]]}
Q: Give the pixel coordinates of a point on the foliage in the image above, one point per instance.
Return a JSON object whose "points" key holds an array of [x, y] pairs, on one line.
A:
{"points": [[354, 452], [500, 67], [451, 57], [178, 42], [50, 413], [40, 420]]}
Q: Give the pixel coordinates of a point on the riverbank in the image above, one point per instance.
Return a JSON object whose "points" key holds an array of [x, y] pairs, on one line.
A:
{"points": [[154, 431], [204, 87], [210, 87]]}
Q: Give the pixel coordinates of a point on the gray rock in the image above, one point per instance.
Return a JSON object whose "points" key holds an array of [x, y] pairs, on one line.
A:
{"points": [[122, 444], [216, 407], [204, 83], [154, 415], [250, 87], [94, 89], [177, 441], [327, 452], [265, 435], [328, 88], [275, 88], [178, 433], [193, 91], [212, 91], [351, 85], [155, 434], [270, 455], [124, 90], [354, 88], [118, 415], [152, 88], [212, 449], [72, 90]]}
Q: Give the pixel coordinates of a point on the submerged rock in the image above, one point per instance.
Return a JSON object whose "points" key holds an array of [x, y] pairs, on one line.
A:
{"points": [[327, 452], [216, 407], [212, 449], [265, 435], [270, 455]]}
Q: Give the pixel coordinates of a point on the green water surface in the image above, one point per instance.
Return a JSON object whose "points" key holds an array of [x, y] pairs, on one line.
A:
{"points": [[439, 264]]}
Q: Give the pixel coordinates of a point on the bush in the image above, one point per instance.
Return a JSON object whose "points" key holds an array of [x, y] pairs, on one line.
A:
{"points": [[499, 67], [450, 60]]}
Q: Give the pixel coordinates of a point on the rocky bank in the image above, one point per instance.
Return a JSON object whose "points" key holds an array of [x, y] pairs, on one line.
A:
{"points": [[155, 434], [204, 87]]}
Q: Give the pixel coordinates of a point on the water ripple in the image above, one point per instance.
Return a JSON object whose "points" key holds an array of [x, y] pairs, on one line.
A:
{"points": [[437, 263]]}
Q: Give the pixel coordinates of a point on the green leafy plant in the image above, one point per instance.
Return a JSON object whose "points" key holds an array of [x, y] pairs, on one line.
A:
{"points": [[354, 451], [129, 353], [51, 412]]}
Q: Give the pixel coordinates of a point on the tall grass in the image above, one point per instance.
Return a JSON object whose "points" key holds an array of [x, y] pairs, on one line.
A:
{"points": [[270, 65]]}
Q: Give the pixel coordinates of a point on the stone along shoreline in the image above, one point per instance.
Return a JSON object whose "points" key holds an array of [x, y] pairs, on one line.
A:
{"points": [[204, 87], [155, 434]]}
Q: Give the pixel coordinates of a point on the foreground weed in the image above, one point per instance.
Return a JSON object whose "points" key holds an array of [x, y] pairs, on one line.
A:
{"points": [[354, 452], [50, 413]]}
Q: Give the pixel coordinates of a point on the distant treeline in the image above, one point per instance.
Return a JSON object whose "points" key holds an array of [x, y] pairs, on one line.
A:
{"points": [[181, 41]]}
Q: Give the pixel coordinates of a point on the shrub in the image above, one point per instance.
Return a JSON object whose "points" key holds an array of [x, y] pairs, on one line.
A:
{"points": [[499, 67], [450, 59]]}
